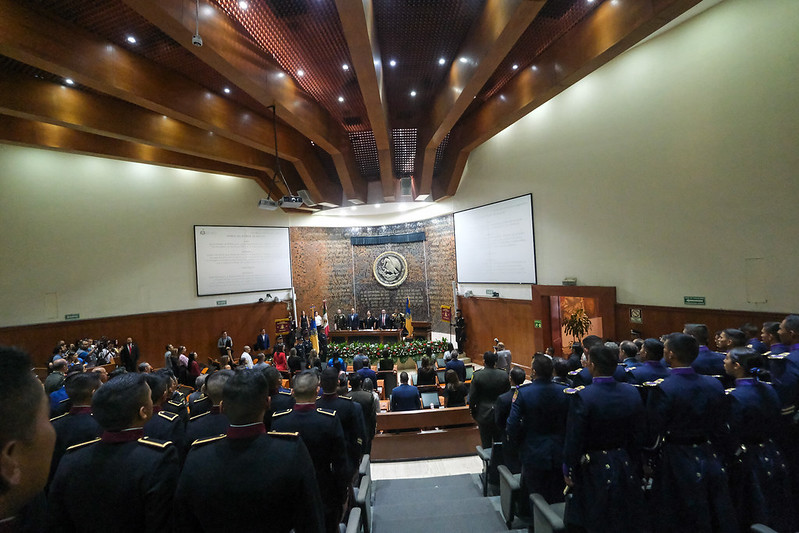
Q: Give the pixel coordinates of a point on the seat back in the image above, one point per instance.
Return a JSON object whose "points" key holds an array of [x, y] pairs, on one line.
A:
{"points": [[363, 501], [389, 381], [354, 522], [485, 457], [365, 468], [547, 518], [509, 492]]}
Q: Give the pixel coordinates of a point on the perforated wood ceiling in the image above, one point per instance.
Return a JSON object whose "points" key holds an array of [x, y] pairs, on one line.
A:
{"points": [[363, 90]]}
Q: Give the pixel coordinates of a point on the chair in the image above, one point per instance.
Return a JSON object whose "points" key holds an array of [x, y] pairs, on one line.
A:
{"points": [[760, 528], [353, 524], [365, 468], [389, 381], [547, 518], [485, 457], [363, 502], [510, 495]]}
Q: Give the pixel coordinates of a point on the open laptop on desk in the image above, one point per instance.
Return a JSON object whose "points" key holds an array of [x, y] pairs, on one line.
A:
{"points": [[430, 399]]}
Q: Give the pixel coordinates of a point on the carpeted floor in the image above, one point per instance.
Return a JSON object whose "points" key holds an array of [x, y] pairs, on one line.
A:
{"points": [[438, 504]]}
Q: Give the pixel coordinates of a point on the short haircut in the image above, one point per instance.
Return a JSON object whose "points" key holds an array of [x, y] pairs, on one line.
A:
{"points": [[591, 341], [143, 367], [306, 384], [736, 336], [577, 348], [517, 375], [385, 353], [273, 378], [684, 347], [60, 364], [21, 395], [654, 349], [490, 359], [80, 386], [200, 381], [329, 380], [629, 348], [215, 384], [245, 397], [115, 373], [357, 364], [697, 331], [403, 377], [772, 328], [158, 382], [604, 359], [561, 367], [792, 323], [543, 366], [750, 330], [116, 404], [355, 380]]}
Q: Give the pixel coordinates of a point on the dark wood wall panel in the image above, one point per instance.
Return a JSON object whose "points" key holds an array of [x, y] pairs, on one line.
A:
{"points": [[511, 321], [197, 329], [660, 320]]}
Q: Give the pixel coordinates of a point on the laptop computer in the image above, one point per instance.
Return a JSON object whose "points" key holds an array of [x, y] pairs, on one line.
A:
{"points": [[430, 399]]}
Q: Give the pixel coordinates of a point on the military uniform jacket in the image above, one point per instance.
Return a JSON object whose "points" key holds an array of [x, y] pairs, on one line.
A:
{"points": [[282, 401], [322, 434], [166, 426], [537, 424], [487, 385], [126, 483], [583, 376], [647, 371], [209, 424], [709, 363], [351, 417], [785, 378], [266, 481], [199, 405], [74, 427]]}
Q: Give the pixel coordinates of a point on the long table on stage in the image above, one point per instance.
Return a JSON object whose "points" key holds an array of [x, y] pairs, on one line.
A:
{"points": [[381, 336]]}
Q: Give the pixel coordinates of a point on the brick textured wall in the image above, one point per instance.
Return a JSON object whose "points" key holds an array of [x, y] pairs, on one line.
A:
{"points": [[326, 266]]}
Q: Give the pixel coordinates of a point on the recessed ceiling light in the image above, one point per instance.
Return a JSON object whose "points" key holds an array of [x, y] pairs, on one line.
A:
{"points": [[243, 4], [515, 67], [131, 39], [393, 63], [340, 98], [345, 67], [281, 74], [69, 81], [300, 73], [464, 60], [227, 90], [534, 67], [441, 61], [413, 93], [313, 143]]}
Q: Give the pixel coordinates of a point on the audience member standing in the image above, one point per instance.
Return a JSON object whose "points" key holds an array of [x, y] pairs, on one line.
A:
{"points": [[405, 397], [487, 385], [225, 344], [652, 368], [129, 355], [348, 412], [366, 401], [504, 358], [162, 424], [262, 342]]}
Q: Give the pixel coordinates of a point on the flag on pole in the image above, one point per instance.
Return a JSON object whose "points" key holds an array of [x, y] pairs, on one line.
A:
{"points": [[314, 337], [408, 317], [325, 323]]}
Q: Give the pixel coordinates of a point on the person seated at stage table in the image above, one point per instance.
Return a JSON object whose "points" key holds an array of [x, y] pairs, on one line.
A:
{"points": [[455, 392], [405, 397], [426, 375]]}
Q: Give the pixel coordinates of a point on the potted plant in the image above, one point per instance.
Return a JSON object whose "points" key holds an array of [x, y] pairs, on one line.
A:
{"points": [[577, 324]]}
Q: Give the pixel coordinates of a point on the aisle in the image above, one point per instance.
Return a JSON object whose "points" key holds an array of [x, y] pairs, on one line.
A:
{"points": [[442, 504]]}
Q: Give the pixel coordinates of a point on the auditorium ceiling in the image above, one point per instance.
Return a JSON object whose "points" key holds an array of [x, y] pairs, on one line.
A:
{"points": [[370, 95]]}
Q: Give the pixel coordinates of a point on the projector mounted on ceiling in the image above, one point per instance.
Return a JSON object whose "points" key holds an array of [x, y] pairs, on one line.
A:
{"points": [[268, 204], [290, 201]]}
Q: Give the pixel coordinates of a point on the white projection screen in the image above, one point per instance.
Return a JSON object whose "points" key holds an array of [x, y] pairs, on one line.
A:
{"points": [[495, 243], [235, 259]]}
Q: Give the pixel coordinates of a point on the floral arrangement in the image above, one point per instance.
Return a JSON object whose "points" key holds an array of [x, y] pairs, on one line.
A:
{"points": [[399, 352]]}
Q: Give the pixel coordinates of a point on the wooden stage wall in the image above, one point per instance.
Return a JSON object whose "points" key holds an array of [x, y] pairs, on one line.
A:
{"points": [[197, 329]]}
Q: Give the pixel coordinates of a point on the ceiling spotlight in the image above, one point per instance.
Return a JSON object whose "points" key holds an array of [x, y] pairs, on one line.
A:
{"points": [[69, 81], [464, 60], [441, 61], [534, 67], [515, 67], [300, 73], [413, 93], [341, 99], [227, 90], [131, 39], [345, 67], [243, 4], [393, 63]]}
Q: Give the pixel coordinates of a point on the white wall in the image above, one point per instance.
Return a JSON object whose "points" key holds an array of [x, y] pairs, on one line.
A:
{"points": [[659, 174]]}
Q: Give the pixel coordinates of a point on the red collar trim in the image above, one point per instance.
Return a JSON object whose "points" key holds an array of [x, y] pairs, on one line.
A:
{"points": [[246, 432], [81, 410], [126, 435], [303, 407]]}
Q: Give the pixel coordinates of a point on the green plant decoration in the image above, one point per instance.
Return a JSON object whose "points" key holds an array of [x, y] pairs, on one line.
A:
{"points": [[577, 324]]}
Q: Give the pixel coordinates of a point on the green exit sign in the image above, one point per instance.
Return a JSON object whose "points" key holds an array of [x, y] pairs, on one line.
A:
{"points": [[693, 300], [221, 302], [72, 316], [538, 324]]}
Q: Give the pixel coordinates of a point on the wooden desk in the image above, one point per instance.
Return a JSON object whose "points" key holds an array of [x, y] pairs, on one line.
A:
{"points": [[381, 336], [425, 434]]}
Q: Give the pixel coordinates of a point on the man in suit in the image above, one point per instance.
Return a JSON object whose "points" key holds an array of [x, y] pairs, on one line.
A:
{"points": [[134, 476], [262, 342], [229, 469], [487, 385], [129, 355], [504, 358], [457, 365], [384, 320], [225, 344], [502, 409], [26, 440], [405, 397], [354, 320]]}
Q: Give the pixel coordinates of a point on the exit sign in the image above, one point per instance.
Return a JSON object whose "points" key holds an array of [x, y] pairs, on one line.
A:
{"points": [[693, 300], [72, 316], [221, 302], [538, 324]]}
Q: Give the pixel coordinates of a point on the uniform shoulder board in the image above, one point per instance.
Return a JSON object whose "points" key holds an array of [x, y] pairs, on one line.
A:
{"points": [[64, 400], [330, 412], [728, 391], [573, 390], [200, 442], [200, 399], [82, 444], [176, 404], [778, 356], [653, 383], [169, 416], [59, 416], [284, 392], [280, 413], [284, 434], [195, 417], [574, 372], [319, 397], [160, 444], [629, 368], [346, 398]]}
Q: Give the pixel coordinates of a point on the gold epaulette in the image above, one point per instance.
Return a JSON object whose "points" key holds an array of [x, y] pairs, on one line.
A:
{"points": [[195, 417], [285, 434], [64, 400], [573, 390], [199, 442], [280, 413], [346, 397], [59, 416], [82, 444], [176, 404], [200, 399], [574, 372], [161, 445], [653, 383], [169, 416], [728, 391], [326, 411], [778, 355], [284, 392]]}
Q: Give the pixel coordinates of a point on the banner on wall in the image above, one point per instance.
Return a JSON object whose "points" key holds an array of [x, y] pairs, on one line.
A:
{"points": [[446, 313], [282, 326]]}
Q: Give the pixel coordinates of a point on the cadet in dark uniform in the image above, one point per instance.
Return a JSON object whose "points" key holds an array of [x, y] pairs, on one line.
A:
{"points": [[604, 435], [280, 399], [266, 480], [686, 414], [123, 481], [321, 432], [348, 412], [651, 369], [537, 426], [760, 485], [163, 425], [502, 406], [708, 362], [78, 425], [583, 376], [785, 378], [487, 384], [210, 423]]}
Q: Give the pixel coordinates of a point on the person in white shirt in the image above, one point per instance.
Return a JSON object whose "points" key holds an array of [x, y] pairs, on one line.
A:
{"points": [[246, 358]]}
